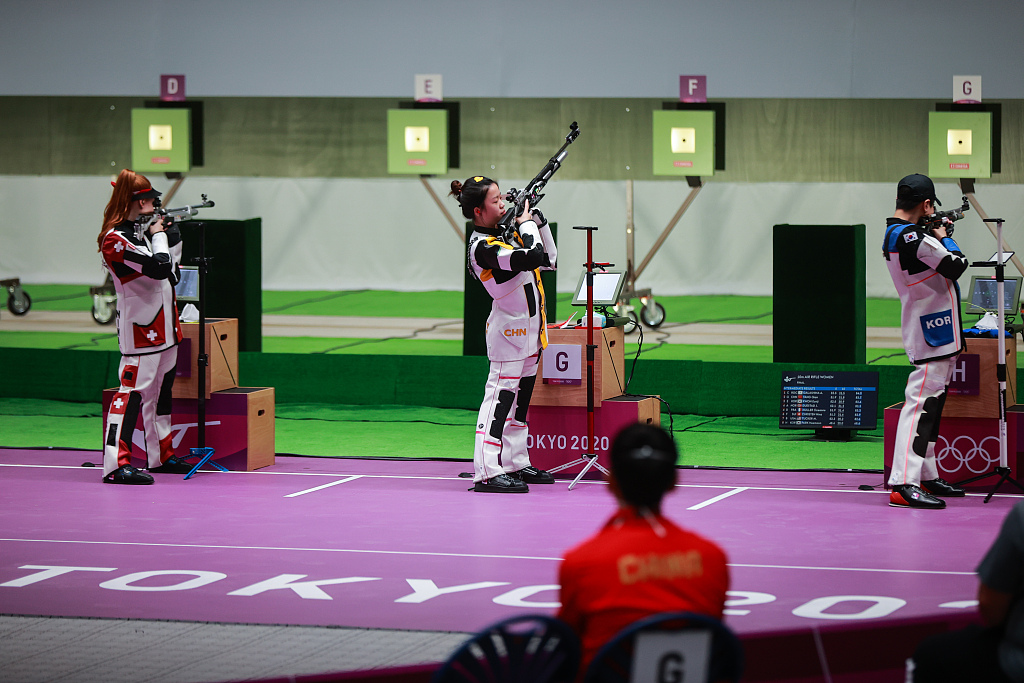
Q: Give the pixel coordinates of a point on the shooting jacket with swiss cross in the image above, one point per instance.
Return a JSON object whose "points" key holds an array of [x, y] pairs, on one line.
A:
{"points": [[511, 275], [925, 271], [144, 270]]}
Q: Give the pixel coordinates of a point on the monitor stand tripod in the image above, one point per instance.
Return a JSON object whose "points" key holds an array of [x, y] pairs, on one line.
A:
{"points": [[1002, 470], [202, 451], [589, 458]]}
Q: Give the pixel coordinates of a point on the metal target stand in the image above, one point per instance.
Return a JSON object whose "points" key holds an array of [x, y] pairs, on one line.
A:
{"points": [[652, 313]]}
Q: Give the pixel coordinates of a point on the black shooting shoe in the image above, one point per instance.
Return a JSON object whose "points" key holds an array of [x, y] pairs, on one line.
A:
{"points": [[501, 484], [532, 475], [910, 496], [174, 465], [126, 474], [941, 487]]}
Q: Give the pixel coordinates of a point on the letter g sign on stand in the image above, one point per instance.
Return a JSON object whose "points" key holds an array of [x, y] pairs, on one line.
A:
{"points": [[680, 657], [562, 364]]}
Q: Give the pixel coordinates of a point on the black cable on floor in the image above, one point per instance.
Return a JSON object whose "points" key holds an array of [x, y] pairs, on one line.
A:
{"points": [[329, 297], [429, 422], [378, 340], [92, 342], [891, 355]]}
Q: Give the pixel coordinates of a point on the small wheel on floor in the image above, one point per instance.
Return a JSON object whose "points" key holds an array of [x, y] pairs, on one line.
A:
{"points": [[19, 303], [655, 318], [102, 310]]}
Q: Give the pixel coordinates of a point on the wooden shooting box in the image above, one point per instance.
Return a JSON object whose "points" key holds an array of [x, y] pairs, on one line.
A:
{"points": [[558, 434], [222, 350], [609, 368], [239, 427], [974, 389]]}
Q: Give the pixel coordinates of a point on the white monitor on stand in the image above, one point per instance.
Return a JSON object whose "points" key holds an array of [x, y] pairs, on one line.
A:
{"points": [[607, 285]]}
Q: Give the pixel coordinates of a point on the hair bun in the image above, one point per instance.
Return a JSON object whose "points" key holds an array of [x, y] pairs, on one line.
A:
{"points": [[456, 191]]}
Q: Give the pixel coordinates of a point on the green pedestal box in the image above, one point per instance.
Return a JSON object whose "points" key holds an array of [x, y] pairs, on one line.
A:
{"points": [[819, 294], [234, 280]]}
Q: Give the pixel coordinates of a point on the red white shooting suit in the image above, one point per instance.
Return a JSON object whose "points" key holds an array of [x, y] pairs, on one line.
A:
{"points": [[144, 270], [515, 337]]}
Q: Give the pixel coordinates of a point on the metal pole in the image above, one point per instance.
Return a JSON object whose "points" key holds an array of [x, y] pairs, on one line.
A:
{"points": [[444, 210], [630, 254], [668, 228], [173, 191], [1002, 245], [1001, 363]]}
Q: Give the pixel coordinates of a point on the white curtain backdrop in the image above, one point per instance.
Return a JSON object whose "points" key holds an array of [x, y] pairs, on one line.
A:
{"points": [[338, 234]]}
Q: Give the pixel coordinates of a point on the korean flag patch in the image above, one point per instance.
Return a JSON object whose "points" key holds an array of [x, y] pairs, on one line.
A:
{"points": [[910, 237]]}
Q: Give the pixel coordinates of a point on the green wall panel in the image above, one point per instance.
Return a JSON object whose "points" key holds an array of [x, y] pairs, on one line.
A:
{"points": [[690, 387], [769, 140]]}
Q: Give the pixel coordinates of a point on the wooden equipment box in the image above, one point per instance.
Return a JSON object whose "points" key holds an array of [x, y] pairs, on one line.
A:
{"points": [[609, 368], [558, 434], [239, 427], [974, 390], [222, 348]]}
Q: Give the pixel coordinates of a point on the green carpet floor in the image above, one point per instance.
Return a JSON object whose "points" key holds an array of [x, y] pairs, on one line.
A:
{"points": [[420, 432]]}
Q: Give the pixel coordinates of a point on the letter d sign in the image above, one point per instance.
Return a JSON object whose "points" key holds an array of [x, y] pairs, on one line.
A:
{"points": [[172, 87]]}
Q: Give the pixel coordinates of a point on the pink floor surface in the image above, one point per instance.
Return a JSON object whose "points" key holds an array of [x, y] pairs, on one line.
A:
{"points": [[403, 545]]}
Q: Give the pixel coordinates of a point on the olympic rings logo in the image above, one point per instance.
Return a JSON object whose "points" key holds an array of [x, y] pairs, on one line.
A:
{"points": [[962, 456]]}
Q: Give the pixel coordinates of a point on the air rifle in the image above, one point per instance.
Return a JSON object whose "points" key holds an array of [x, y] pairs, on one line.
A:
{"points": [[169, 216], [940, 218], [532, 192]]}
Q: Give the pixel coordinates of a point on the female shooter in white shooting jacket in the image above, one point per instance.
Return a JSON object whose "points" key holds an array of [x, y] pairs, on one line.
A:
{"points": [[142, 255], [510, 272]]}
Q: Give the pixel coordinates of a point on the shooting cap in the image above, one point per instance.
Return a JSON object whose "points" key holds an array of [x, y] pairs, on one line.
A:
{"points": [[917, 188], [146, 194]]}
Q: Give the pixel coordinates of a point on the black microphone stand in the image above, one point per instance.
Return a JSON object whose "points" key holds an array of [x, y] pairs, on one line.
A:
{"points": [[202, 451], [1002, 470]]}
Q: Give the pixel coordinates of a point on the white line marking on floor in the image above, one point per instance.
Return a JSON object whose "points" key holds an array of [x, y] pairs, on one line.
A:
{"points": [[717, 498], [438, 554], [798, 489], [324, 486], [281, 549], [852, 569]]}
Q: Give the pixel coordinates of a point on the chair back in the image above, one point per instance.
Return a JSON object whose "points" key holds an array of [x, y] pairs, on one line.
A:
{"points": [[674, 646], [525, 649]]}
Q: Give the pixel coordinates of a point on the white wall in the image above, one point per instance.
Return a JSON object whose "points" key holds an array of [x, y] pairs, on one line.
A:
{"points": [[337, 234], [511, 48]]}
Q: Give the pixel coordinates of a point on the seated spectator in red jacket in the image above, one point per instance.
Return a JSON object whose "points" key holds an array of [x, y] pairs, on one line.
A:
{"points": [[640, 563]]}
